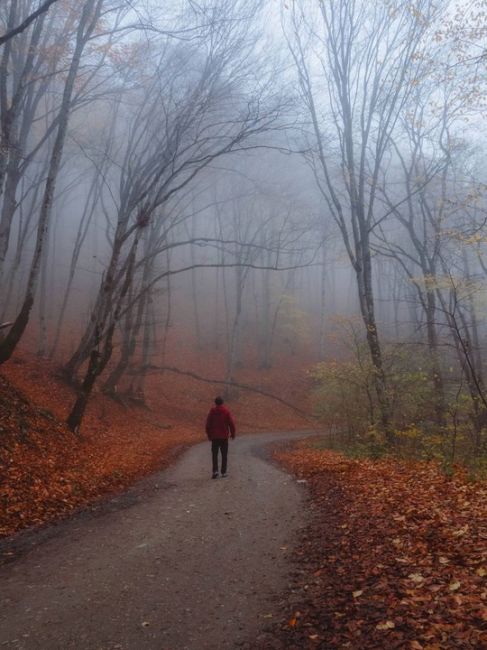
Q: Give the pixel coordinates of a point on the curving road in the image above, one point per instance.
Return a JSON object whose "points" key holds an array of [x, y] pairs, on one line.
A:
{"points": [[178, 562]]}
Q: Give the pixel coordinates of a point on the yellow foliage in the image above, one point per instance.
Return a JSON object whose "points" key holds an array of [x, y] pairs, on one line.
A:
{"points": [[410, 433]]}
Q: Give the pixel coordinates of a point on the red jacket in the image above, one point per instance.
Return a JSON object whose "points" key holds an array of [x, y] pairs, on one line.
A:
{"points": [[219, 423]]}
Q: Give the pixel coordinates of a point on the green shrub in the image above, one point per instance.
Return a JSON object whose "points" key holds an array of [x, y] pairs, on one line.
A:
{"points": [[345, 399]]}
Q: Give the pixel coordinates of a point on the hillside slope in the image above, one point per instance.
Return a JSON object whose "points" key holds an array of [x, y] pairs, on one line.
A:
{"points": [[47, 472]]}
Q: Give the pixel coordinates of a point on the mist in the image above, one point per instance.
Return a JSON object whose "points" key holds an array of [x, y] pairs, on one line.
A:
{"points": [[269, 182], [243, 335]]}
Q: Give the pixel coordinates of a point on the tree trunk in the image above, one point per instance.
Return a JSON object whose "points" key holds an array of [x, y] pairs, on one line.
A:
{"points": [[168, 320], [85, 222], [42, 345], [233, 353], [132, 329], [266, 326], [194, 289], [8, 345], [363, 270], [322, 335], [138, 392], [110, 387], [5, 113], [102, 307], [103, 337], [14, 137], [436, 373], [97, 364]]}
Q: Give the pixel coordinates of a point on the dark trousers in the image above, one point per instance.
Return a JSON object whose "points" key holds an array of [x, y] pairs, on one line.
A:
{"points": [[219, 443]]}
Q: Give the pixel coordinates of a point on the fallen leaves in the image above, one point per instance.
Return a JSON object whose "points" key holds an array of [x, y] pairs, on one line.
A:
{"points": [[46, 472], [395, 556], [416, 577], [388, 625]]}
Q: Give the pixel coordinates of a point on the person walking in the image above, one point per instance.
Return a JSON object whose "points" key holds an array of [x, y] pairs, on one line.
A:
{"points": [[220, 425]]}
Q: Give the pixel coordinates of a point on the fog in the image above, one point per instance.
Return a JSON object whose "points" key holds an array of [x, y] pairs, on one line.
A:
{"points": [[272, 179]]}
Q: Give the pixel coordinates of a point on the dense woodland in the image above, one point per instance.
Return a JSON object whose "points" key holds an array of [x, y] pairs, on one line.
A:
{"points": [[278, 179]]}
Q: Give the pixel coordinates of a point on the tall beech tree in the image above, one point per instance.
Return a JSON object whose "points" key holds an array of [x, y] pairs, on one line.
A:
{"points": [[356, 64], [86, 18], [199, 101]]}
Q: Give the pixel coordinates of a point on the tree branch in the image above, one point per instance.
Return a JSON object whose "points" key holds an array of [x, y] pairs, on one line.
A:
{"points": [[222, 382], [30, 19]]}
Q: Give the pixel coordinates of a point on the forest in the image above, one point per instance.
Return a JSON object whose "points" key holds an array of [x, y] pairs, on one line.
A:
{"points": [[282, 202]]}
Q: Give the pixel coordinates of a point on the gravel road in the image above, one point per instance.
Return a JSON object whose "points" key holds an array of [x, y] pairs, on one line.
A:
{"points": [[178, 562]]}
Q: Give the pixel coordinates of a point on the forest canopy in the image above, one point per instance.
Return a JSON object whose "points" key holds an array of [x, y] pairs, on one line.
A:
{"points": [[301, 178]]}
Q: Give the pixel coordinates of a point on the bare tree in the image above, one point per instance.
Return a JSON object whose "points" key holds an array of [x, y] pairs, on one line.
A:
{"points": [[356, 64], [88, 20], [180, 125], [30, 18]]}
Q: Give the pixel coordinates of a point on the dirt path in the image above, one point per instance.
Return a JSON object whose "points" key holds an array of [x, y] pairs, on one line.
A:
{"points": [[182, 562]]}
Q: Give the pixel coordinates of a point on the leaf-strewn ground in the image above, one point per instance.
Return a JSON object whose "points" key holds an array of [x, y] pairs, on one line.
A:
{"points": [[46, 472], [395, 557]]}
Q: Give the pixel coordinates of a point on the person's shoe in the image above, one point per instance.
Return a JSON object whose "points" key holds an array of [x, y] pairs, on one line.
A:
{"points": [[215, 475], [224, 475]]}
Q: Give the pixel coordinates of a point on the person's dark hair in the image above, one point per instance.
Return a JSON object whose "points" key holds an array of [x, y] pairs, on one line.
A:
{"points": [[218, 401]]}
